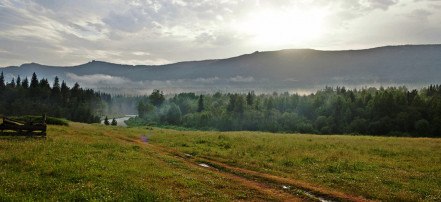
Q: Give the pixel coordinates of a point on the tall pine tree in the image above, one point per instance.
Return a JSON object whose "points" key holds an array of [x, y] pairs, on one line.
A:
{"points": [[34, 81], [56, 89], [106, 121], [201, 103], [114, 123], [2, 81], [25, 83], [18, 81]]}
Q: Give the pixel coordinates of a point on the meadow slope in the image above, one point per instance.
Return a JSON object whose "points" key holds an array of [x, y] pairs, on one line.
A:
{"points": [[377, 168], [97, 162]]}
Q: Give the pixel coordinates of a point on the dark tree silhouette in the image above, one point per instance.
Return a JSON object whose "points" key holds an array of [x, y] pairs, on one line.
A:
{"points": [[18, 81], [2, 81], [201, 103], [56, 89], [25, 83], [12, 83], [250, 98], [106, 121], [83, 106], [157, 97], [34, 81]]}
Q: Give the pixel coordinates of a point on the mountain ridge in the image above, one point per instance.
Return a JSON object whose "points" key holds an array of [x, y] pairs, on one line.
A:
{"points": [[273, 70], [246, 54]]}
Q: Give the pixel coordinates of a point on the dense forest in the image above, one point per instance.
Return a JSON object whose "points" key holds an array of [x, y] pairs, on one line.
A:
{"points": [[36, 97], [392, 111]]}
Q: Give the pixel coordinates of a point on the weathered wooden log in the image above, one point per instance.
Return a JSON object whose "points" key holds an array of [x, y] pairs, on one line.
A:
{"points": [[9, 120], [20, 128]]}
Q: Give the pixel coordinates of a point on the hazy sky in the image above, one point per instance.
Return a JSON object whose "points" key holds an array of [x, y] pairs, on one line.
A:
{"points": [[57, 32]]}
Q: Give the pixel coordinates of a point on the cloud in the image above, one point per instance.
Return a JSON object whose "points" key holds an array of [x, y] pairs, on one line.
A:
{"points": [[108, 81], [419, 15], [130, 21], [140, 53], [98, 79], [207, 80], [241, 79], [56, 32], [382, 4]]}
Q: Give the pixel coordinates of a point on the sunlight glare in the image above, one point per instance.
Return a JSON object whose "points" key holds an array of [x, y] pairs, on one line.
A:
{"points": [[287, 27]]}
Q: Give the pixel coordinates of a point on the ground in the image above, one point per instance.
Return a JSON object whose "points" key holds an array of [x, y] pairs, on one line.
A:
{"points": [[97, 162]]}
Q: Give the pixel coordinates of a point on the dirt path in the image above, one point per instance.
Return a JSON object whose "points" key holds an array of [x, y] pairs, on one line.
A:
{"points": [[265, 183], [283, 189], [261, 187]]}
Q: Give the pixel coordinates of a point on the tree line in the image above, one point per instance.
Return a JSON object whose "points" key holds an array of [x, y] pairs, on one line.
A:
{"points": [[392, 111], [35, 97]]}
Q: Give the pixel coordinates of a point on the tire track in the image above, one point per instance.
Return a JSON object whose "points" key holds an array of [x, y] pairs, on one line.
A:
{"points": [[280, 188], [300, 189], [278, 195], [266, 189]]}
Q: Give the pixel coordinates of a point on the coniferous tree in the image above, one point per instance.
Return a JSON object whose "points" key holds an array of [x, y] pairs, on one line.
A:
{"points": [[37, 100], [44, 84], [76, 90], [34, 86], [106, 121], [114, 123], [56, 89], [250, 98], [56, 83], [2, 81], [64, 89], [34, 81], [201, 103], [18, 81], [65, 93], [12, 84], [25, 83]]}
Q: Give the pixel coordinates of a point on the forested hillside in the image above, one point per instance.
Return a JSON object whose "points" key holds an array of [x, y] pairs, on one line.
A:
{"points": [[392, 111], [34, 97]]}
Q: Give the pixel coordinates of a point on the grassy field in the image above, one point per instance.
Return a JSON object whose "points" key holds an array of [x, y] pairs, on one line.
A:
{"points": [[384, 168], [97, 162]]}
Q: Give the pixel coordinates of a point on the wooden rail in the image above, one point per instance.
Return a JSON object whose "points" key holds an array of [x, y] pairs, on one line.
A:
{"points": [[11, 127]]}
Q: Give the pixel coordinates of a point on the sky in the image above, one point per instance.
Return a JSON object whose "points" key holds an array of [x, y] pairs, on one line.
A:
{"points": [[150, 32]]}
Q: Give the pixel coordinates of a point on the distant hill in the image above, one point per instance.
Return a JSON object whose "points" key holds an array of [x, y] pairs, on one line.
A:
{"points": [[284, 70]]}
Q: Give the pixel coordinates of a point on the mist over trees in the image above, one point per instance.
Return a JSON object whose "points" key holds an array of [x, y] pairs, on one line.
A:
{"points": [[21, 98], [394, 111]]}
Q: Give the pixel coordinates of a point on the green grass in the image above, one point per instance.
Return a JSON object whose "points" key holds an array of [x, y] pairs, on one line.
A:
{"points": [[384, 168], [96, 162]]}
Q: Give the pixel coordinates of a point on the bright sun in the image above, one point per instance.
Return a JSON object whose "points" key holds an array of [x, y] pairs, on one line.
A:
{"points": [[287, 27]]}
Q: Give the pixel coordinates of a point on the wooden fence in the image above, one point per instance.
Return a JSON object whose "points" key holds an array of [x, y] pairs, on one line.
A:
{"points": [[11, 127]]}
